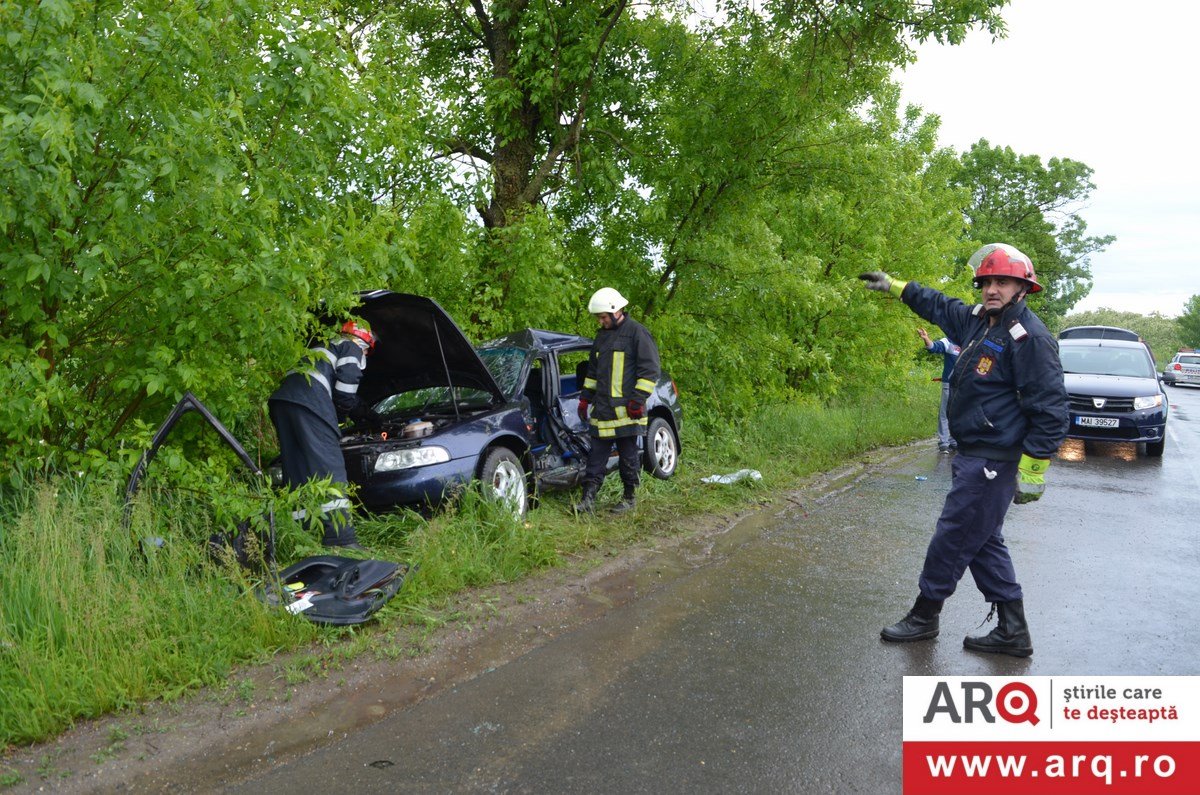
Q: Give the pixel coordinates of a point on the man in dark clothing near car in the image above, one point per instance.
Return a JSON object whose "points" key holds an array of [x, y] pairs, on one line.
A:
{"points": [[305, 410], [623, 368], [1008, 413], [949, 352]]}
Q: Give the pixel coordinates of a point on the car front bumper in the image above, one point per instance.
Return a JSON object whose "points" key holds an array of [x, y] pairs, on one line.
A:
{"points": [[419, 487], [1138, 426]]}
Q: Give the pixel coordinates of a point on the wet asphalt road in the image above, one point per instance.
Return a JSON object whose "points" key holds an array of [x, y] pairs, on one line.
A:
{"points": [[764, 672]]}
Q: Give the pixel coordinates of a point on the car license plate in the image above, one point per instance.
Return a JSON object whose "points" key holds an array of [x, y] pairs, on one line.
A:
{"points": [[1098, 422]]}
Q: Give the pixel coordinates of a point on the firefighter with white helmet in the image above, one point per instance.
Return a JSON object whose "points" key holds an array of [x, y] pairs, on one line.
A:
{"points": [[305, 410], [623, 368], [1008, 414]]}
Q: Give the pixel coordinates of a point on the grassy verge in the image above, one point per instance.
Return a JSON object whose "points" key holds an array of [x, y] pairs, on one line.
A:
{"points": [[88, 625]]}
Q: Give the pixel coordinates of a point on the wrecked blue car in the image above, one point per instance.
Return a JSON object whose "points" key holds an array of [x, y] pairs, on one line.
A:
{"points": [[502, 413]]}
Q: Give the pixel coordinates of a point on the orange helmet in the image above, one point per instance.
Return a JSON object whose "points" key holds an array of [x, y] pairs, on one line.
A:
{"points": [[1001, 259], [354, 330]]}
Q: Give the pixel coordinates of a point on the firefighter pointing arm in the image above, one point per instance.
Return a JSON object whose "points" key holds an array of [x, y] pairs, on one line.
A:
{"points": [[1007, 413]]}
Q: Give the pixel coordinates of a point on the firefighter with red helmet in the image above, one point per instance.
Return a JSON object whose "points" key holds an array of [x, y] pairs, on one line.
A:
{"points": [[623, 368], [1008, 414], [305, 411]]}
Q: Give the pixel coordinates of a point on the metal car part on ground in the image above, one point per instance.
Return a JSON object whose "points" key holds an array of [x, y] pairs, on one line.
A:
{"points": [[1114, 392], [325, 589], [503, 414]]}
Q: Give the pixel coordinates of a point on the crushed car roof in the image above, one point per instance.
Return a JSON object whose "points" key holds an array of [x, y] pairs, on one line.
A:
{"points": [[539, 340]]}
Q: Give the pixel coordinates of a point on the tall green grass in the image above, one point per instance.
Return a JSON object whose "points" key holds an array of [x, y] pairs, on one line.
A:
{"points": [[89, 625]]}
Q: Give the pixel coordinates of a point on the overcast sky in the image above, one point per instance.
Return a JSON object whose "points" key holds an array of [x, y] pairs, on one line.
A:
{"points": [[1111, 84]]}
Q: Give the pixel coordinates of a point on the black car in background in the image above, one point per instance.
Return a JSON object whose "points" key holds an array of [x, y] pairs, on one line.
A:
{"points": [[1114, 391], [503, 413]]}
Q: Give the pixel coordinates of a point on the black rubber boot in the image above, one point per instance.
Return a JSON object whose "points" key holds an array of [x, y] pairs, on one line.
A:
{"points": [[1011, 635], [921, 623], [587, 502], [625, 504], [628, 503]]}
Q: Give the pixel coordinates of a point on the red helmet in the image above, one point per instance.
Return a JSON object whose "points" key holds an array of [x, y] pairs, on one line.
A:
{"points": [[1001, 259], [355, 330]]}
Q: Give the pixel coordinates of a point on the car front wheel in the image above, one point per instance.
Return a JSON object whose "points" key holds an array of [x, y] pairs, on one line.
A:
{"points": [[504, 480], [1155, 449], [662, 449]]}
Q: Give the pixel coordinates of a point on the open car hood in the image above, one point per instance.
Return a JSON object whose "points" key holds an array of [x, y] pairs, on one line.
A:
{"points": [[418, 346]]}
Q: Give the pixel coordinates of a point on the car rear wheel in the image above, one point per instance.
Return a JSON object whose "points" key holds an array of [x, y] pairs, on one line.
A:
{"points": [[1155, 449], [504, 480], [662, 449]]}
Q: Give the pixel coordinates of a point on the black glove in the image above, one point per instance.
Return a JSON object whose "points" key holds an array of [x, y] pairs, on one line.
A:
{"points": [[636, 409], [877, 280]]}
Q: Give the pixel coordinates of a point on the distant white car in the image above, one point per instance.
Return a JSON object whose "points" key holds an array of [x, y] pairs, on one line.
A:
{"points": [[1184, 368]]}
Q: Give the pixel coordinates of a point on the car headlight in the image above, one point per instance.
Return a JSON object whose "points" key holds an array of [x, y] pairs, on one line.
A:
{"points": [[410, 458], [1149, 402]]}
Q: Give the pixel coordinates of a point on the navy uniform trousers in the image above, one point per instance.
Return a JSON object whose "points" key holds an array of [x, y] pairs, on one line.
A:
{"points": [[968, 533], [630, 461], [310, 449]]}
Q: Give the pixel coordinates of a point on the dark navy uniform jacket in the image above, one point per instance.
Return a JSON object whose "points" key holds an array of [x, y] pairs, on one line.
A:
{"points": [[329, 386], [1006, 392], [623, 366]]}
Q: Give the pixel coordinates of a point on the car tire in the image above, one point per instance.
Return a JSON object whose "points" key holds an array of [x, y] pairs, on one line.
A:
{"points": [[662, 449], [1155, 449], [504, 479]]}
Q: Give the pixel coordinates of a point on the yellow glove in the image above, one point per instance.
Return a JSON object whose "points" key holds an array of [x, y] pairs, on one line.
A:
{"points": [[1031, 479]]}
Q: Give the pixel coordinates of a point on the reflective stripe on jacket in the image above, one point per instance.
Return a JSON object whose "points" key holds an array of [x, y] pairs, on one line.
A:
{"points": [[623, 366], [329, 385]]}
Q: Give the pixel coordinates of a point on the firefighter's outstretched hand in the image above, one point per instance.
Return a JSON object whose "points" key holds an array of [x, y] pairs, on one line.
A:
{"points": [[878, 280], [1031, 479], [583, 407]]}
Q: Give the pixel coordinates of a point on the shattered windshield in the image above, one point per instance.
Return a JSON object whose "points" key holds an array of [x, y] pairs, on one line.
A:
{"points": [[505, 365]]}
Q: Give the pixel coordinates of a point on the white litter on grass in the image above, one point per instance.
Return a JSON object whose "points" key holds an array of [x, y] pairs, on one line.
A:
{"points": [[733, 477], [301, 604]]}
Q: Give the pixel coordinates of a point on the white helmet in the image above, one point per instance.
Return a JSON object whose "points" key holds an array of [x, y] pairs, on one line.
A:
{"points": [[606, 299]]}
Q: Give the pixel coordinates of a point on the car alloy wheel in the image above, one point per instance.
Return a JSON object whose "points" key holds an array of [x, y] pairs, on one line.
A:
{"points": [[505, 480], [662, 449]]}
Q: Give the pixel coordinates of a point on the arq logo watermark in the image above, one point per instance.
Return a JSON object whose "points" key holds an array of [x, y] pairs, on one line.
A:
{"points": [[1015, 702]]}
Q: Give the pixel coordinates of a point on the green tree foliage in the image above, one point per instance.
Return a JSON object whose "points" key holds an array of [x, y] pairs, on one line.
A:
{"points": [[1161, 333], [1016, 199], [1189, 323], [743, 213], [572, 105], [182, 182]]}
